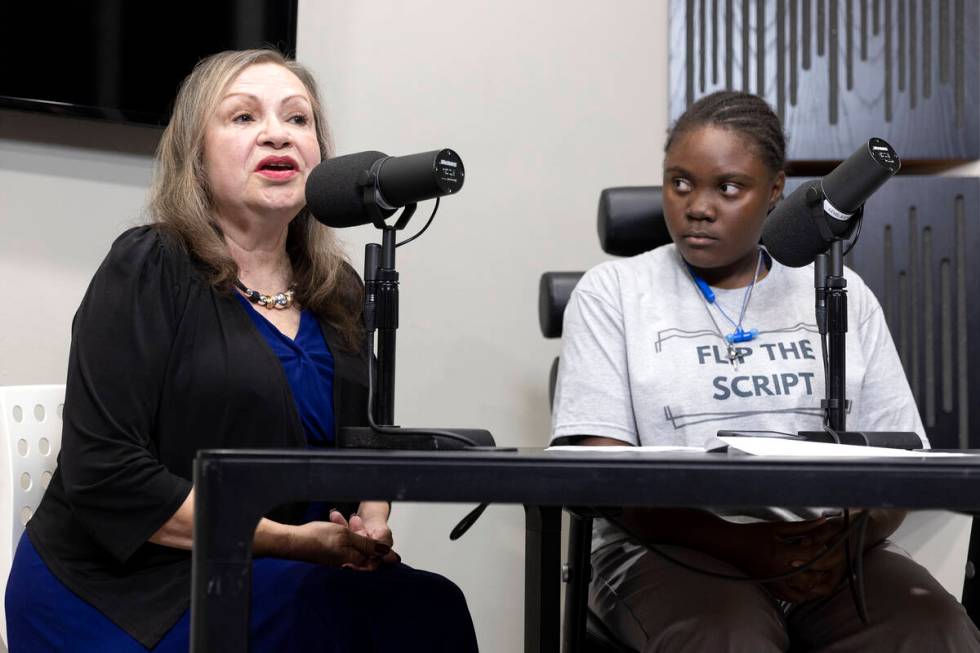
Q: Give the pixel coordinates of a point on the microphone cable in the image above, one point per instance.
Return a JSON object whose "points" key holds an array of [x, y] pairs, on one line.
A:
{"points": [[398, 430], [424, 227], [369, 352], [852, 241], [472, 516], [855, 568], [857, 234]]}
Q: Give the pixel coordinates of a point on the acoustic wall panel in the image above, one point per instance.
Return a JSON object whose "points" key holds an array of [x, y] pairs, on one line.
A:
{"points": [[917, 252], [839, 71]]}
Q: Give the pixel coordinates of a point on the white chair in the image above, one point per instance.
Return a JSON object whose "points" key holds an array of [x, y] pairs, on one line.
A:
{"points": [[30, 439]]}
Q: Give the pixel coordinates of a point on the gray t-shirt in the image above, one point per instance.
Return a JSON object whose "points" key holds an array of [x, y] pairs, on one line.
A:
{"points": [[642, 361]]}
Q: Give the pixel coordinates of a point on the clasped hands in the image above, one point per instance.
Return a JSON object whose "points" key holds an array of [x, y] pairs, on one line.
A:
{"points": [[771, 549], [362, 543]]}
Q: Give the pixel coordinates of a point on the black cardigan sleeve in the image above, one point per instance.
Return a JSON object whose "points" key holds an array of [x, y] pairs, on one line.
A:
{"points": [[121, 341]]}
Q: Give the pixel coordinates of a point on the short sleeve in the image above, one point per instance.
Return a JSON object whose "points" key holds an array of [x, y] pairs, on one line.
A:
{"points": [[888, 402], [121, 342], [592, 396]]}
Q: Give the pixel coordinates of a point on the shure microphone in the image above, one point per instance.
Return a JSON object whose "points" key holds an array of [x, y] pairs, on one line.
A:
{"points": [[346, 190], [804, 224]]}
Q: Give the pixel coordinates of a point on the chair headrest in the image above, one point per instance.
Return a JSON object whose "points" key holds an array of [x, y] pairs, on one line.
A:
{"points": [[631, 220], [553, 293]]}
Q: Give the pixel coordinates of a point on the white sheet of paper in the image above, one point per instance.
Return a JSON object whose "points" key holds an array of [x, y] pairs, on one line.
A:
{"points": [[783, 447], [648, 449]]}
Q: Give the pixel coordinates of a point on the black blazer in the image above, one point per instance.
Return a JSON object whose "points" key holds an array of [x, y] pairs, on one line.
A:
{"points": [[161, 365]]}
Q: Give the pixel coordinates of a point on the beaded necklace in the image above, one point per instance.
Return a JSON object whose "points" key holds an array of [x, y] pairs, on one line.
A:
{"points": [[281, 300]]}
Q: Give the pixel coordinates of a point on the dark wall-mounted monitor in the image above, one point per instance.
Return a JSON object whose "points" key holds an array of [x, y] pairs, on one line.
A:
{"points": [[123, 61]]}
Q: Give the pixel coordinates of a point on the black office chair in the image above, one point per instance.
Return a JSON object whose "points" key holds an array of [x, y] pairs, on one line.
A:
{"points": [[630, 222]]}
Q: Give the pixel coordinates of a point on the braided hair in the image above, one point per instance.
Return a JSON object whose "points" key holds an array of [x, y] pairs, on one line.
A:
{"points": [[744, 113]]}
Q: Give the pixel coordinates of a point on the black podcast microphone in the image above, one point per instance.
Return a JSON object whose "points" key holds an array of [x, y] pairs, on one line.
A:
{"points": [[805, 223], [355, 189]]}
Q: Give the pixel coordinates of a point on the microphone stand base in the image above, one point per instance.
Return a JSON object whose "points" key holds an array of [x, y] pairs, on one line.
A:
{"points": [[887, 439], [414, 439]]}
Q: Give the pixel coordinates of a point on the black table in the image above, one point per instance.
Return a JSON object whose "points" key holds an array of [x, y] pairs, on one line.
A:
{"points": [[234, 488]]}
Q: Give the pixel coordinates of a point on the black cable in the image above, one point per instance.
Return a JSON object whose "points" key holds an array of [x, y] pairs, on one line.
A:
{"points": [[369, 350], [474, 514], [397, 430], [826, 359], [858, 592], [841, 538], [468, 520], [826, 402], [854, 238], [855, 569], [424, 227]]}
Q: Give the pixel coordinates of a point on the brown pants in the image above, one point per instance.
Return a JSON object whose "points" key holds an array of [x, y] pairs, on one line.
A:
{"points": [[653, 606]]}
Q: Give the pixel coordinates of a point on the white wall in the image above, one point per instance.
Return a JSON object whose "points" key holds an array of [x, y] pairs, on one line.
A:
{"points": [[547, 103], [67, 188]]}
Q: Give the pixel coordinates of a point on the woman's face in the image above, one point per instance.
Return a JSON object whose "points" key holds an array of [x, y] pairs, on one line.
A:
{"points": [[260, 144], [717, 191]]}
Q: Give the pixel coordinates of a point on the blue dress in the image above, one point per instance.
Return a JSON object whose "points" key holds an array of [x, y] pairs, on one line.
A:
{"points": [[295, 606]]}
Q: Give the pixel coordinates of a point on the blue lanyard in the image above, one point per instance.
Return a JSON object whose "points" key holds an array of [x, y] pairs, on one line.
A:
{"points": [[740, 334]]}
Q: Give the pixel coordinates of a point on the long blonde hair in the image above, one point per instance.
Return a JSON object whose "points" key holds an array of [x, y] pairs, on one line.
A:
{"points": [[180, 200]]}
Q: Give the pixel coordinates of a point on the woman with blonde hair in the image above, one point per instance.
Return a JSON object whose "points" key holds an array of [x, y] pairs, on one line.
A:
{"points": [[231, 321]]}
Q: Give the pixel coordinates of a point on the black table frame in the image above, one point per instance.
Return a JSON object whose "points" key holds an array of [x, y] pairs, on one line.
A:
{"points": [[234, 488]]}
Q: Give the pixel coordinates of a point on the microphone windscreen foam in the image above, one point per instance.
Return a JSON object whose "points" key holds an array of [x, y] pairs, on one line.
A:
{"points": [[791, 234], [332, 191]]}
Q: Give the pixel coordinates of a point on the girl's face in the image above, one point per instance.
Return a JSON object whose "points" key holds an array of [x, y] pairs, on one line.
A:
{"points": [[717, 191]]}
